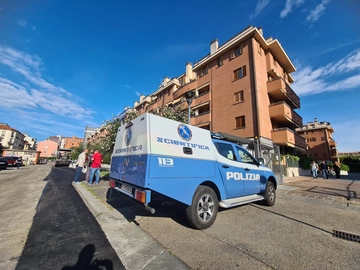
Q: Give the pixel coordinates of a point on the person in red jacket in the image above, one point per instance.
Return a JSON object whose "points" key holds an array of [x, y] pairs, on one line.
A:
{"points": [[95, 167]]}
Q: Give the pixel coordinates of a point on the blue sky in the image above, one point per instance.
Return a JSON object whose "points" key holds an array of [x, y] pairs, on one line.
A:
{"points": [[69, 64]]}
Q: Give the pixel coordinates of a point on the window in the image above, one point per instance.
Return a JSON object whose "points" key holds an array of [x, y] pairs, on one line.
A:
{"points": [[312, 139], [239, 73], [323, 138], [236, 52], [245, 156], [259, 48], [220, 62], [240, 121], [203, 71], [226, 150], [239, 96]]}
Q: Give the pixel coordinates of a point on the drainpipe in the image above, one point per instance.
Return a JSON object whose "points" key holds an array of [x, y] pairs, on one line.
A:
{"points": [[255, 109]]}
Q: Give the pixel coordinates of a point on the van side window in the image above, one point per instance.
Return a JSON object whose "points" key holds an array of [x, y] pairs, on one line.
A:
{"points": [[245, 156], [226, 150]]}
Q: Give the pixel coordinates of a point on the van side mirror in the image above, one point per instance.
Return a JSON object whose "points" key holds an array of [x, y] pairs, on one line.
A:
{"points": [[261, 161]]}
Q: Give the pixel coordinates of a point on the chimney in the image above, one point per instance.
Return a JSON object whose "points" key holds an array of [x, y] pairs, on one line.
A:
{"points": [[188, 72], [214, 45], [261, 31], [141, 97]]}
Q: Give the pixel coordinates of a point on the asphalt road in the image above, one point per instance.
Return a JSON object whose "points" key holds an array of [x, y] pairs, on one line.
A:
{"points": [[296, 233], [64, 234]]}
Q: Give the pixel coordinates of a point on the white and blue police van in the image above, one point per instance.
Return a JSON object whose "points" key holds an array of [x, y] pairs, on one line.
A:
{"points": [[188, 164]]}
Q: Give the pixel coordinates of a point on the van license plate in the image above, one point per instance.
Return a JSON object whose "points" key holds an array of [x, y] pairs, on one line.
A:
{"points": [[126, 188]]}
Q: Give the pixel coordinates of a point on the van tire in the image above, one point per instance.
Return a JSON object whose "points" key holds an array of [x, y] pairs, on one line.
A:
{"points": [[203, 210], [269, 194]]}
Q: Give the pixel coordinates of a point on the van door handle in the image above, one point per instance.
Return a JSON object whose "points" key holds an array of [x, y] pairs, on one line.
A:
{"points": [[247, 169], [225, 166]]}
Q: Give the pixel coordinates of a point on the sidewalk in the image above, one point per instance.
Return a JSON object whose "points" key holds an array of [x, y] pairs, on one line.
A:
{"points": [[345, 191]]}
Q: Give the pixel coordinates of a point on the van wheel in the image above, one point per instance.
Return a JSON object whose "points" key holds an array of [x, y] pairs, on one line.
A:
{"points": [[202, 213], [270, 194]]}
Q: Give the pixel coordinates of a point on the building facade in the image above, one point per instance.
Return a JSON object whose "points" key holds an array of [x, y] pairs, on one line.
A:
{"points": [[11, 138], [241, 88], [30, 143], [89, 131], [319, 142], [47, 148], [70, 142]]}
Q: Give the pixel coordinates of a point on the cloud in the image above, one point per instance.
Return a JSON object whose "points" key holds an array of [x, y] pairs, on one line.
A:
{"points": [[317, 12], [289, 6], [309, 81], [36, 92], [261, 4], [22, 23]]}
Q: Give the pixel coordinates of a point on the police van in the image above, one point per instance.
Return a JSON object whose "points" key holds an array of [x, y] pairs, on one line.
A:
{"points": [[188, 164]]}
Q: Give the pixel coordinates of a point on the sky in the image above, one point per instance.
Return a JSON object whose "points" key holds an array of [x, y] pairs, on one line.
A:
{"points": [[65, 64]]}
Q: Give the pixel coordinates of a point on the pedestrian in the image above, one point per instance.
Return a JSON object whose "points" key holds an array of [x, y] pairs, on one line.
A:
{"points": [[337, 169], [95, 167], [314, 169], [80, 163], [324, 169], [19, 162], [327, 170], [88, 165]]}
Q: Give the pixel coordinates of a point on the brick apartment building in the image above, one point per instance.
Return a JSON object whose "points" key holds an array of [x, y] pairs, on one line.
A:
{"points": [[73, 141], [319, 142], [241, 88]]}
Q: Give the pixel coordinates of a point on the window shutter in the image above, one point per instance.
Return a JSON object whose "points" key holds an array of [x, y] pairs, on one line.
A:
{"points": [[244, 71]]}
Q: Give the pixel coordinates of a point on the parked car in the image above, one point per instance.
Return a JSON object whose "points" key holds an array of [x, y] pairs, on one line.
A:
{"points": [[3, 163], [11, 161]]}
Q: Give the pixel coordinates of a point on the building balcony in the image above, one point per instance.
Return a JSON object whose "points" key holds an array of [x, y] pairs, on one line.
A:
{"points": [[287, 137], [198, 101], [332, 144], [334, 153], [201, 119], [282, 113], [281, 91]]}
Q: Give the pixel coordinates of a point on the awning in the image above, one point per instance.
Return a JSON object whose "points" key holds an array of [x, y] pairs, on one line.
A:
{"points": [[176, 101], [200, 105]]}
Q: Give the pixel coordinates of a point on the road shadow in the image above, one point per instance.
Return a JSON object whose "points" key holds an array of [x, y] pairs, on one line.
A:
{"points": [[164, 207], [347, 194], [86, 261]]}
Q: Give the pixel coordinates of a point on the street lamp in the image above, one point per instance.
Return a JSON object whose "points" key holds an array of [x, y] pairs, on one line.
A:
{"points": [[189, 98]]}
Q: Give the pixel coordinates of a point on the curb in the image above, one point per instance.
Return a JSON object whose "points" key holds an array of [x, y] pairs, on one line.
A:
{"points": [[135, 248]]}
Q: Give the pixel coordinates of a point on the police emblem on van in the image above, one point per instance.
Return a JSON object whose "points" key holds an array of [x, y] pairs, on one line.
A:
{"points": [[128, 136], [184, 132]]}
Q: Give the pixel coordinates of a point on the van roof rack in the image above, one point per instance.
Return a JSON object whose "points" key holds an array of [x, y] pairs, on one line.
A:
{"points": [[230, 138]]}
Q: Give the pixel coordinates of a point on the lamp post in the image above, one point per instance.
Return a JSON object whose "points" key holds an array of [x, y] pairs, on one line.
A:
{"points": [[189, 98]]}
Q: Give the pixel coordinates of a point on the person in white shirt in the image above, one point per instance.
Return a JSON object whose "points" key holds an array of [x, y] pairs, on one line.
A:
{"points": [[80, 163]]}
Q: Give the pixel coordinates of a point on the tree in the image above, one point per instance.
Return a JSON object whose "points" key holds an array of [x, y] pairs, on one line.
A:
{"points": [[176, 113], [76, 151]]}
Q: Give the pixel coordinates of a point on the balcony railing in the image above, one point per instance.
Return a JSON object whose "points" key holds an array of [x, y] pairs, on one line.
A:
{"points": [[287, 137], [280, 90], [201, 118], [281, 112], [332, 143], [201, 99]]}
